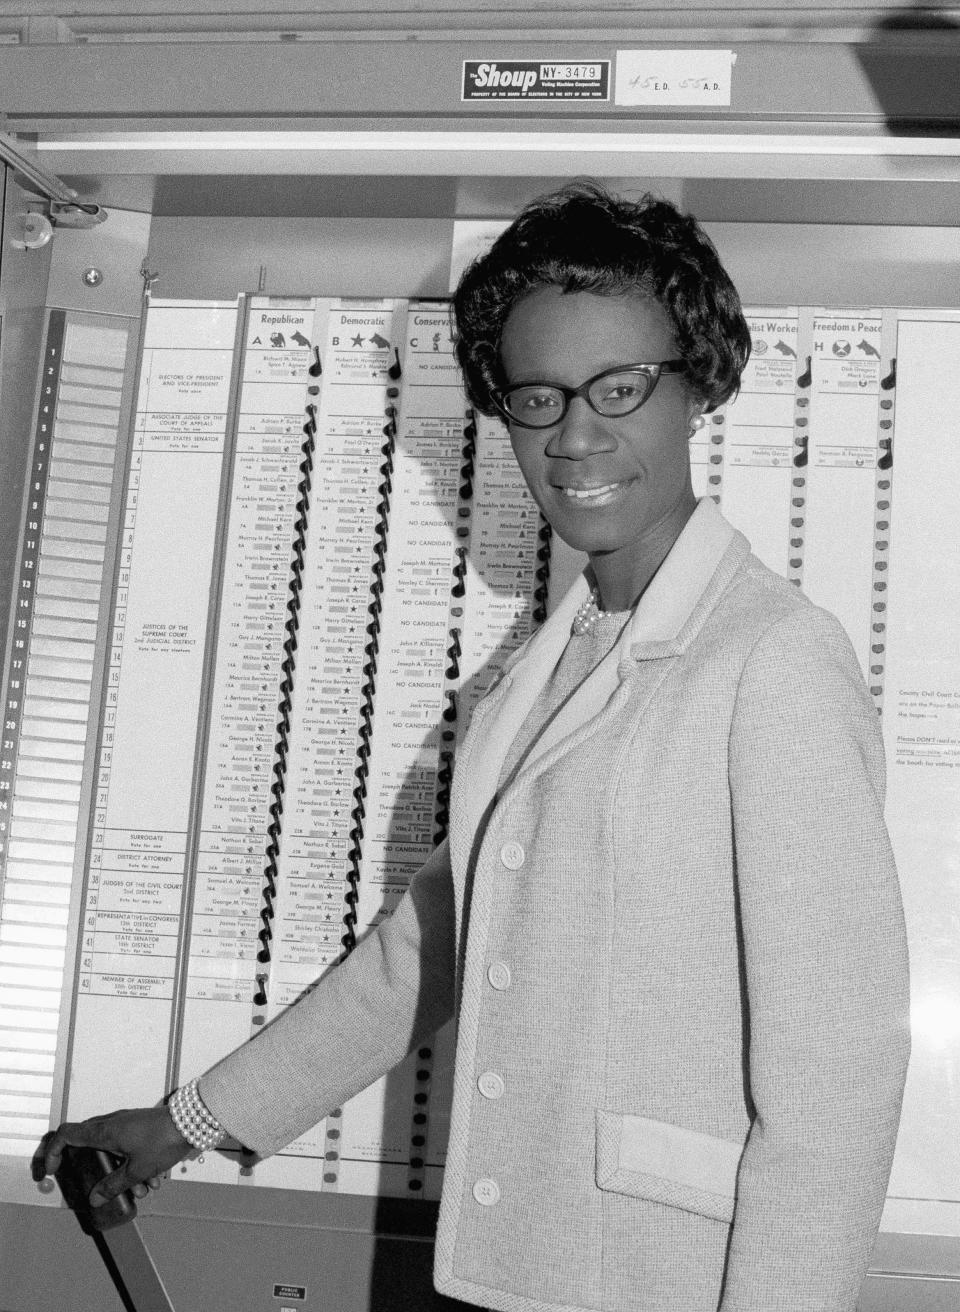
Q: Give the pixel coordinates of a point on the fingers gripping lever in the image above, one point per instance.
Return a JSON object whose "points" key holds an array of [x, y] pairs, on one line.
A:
{"points": [[82, 1168], [121, 1246]]}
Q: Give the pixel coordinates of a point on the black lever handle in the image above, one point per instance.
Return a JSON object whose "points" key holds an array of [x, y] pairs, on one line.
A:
{"points": [[82, 1168]]}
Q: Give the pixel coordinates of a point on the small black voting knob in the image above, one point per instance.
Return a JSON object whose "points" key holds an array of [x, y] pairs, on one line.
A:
{"points": [[81, 1169]]}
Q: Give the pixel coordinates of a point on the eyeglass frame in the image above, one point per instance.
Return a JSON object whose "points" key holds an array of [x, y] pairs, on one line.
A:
{"points": [[659, 367]]}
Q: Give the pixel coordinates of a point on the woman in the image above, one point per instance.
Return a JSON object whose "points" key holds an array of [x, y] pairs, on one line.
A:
{"points": [[667, 917]]}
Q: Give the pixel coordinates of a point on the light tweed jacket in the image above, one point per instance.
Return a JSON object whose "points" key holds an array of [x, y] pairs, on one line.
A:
{"points": [[676, 949]]}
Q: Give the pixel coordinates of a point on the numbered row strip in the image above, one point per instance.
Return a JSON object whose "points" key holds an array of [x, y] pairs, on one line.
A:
{"points": [[52, 696]]}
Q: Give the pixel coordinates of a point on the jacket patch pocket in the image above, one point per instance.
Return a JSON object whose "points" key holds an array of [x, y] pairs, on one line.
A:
{"points": [[667, 1164]]}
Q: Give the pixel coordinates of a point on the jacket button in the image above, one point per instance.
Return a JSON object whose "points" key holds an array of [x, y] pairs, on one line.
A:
{"points": [[486, 1192], [498, 973], [491, 1085], [512, 855]]}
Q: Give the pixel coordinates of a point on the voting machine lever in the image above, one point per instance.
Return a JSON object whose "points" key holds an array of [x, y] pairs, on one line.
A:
{"points": [[113, 1228]]}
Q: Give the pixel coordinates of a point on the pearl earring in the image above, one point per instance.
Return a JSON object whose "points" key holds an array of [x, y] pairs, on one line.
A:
{"points": [[696, 423]]}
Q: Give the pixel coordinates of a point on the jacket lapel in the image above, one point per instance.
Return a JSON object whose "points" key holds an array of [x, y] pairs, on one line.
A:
{"points": [[670, 612], [497, 718], [679, 596]]}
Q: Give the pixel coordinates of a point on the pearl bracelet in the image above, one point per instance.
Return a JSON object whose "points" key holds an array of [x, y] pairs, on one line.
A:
{"points": [[199, 1127]]}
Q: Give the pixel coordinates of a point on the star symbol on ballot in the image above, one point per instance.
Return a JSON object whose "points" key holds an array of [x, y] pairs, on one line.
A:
{"points": [[357, 341]]}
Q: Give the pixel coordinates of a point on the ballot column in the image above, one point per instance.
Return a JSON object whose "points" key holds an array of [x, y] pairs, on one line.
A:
{"points": [[756, 491], [137, 858], [918, 598], [251, 692]]}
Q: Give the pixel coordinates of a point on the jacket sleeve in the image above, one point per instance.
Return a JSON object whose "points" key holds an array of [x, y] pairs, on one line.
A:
{"points": [[826, 974], [361, 1018]]}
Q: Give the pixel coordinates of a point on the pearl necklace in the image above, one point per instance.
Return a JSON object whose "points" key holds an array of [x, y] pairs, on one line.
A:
{"points": [[585, 620]]}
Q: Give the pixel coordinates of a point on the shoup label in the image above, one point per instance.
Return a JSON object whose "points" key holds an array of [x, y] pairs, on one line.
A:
{"points": [[536, 79]]}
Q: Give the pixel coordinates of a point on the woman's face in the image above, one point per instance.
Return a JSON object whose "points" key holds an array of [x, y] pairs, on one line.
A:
{"points": [[634, 470]]}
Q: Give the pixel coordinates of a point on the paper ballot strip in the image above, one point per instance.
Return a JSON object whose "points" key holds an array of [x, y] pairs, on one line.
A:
{"points": [[148, 740], [254, 657], [399, 604], [921, 720], [754, 478], [800, 458]]}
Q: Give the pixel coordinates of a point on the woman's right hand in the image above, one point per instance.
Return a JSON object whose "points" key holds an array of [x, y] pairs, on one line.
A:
{"points": [[146, 1138]]}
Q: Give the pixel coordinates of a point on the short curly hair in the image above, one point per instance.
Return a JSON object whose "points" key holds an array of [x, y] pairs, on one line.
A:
{"points": [[583, 239]]}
